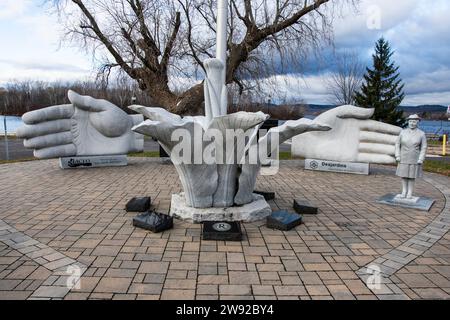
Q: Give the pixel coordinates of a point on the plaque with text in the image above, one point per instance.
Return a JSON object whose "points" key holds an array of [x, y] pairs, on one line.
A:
{"points": [[340, 167], [93, 162]]}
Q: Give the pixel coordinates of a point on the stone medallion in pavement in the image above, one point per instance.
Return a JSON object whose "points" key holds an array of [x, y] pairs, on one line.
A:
{"points": [[54, 221]]}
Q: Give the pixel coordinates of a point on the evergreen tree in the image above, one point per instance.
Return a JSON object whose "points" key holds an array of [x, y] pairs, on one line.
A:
{"points": [[382, 88]]}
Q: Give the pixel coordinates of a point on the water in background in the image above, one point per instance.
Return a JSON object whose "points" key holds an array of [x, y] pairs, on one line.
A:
{"points": [[12, 123], [435, 126], [429, 126]]}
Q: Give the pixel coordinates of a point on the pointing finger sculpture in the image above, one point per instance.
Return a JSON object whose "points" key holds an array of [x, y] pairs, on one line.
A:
{"points": [[86, 127], [353, 138]]}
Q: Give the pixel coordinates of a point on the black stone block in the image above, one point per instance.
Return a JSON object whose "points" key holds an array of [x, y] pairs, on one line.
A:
{"points": [[222, 231], [283, 220], [304, 207], [267, 195], [153, 221], [139, 204]]}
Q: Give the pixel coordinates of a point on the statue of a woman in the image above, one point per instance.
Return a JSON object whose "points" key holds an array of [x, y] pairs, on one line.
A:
{"points": [[410, 152]]}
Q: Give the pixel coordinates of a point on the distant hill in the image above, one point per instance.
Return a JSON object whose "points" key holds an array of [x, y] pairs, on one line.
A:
{"points": [[295, 111], [427, 111], [418, 109]]}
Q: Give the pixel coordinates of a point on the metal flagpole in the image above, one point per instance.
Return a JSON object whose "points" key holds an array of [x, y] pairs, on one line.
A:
{"points": [[221, 46]]}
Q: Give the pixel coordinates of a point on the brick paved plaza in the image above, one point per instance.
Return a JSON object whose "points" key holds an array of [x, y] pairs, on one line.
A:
{"points": [[52, 219]]}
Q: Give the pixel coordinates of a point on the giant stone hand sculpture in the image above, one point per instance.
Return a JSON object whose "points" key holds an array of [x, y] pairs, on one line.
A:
{"points": [[228, 180], [223, 184], [86, 127], [353, 138]]}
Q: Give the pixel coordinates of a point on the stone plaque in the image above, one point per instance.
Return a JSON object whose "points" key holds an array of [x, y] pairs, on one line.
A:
{"points": [[283, 220], [341, 167], [421, 203], [141, 204], [222, 231], [93, 162]]}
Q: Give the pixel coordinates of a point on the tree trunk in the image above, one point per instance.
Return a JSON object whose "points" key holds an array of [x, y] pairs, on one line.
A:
{"points": [[189, 103]]}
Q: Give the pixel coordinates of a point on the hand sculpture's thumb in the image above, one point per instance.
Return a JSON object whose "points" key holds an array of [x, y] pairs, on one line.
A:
{"points": [[352, 112], [107, 118]]}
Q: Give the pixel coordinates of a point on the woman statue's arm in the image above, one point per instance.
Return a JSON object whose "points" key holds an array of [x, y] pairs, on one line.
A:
{"points": [[397, 148], [423, 149]]}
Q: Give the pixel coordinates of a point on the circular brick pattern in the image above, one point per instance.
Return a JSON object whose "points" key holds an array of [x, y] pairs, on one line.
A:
{"points": [[81, 215]]}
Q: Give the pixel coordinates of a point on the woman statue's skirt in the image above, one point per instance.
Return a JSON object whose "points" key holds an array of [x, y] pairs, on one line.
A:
{"points": [[410, 171]]}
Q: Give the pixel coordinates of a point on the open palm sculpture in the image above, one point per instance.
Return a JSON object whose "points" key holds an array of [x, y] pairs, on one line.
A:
{"points": [[86, 127], [353, 138]]}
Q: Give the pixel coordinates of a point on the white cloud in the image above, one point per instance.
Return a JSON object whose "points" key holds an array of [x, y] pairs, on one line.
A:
{"points": [[417, 31], [13, 8]]}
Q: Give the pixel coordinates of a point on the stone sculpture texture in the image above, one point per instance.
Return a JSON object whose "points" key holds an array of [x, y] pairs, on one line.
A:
{"points": [[86, 127], [410, 152], [353, 138], [89, 127]]}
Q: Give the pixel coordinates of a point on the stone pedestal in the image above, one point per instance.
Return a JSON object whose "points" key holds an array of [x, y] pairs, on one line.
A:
{"points": [[259, 209], [93, 162], [418, 203], [222, 231], [340, 167]]}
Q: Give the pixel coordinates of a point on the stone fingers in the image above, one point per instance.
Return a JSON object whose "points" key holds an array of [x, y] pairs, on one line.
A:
{"points": [[375, 158], [377, 148], [44, 128], [48, 114], [376, 137], [67, 150], [50, 140], [380, 127]]}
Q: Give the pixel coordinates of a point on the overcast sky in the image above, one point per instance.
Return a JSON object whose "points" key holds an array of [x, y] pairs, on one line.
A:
{"points": [[418, 31]]}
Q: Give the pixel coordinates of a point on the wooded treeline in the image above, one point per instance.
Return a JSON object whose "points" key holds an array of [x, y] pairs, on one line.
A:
{"points": [[24, 96]]}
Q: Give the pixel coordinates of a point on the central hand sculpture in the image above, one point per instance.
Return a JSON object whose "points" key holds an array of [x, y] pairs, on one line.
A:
{"points": [[227, 182], [87, 127], [353, 138]]}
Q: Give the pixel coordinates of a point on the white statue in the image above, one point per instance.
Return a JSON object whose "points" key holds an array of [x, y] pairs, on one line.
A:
{"points": [[410, 152], [216, 184], [86, 127], [223, 184], [353, 138]]}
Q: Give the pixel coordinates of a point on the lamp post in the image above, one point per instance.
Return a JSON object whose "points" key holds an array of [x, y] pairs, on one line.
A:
{"points": [[3, 91]]}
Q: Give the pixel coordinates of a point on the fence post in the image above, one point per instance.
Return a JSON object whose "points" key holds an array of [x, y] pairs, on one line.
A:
{"points": [[444, 145]]}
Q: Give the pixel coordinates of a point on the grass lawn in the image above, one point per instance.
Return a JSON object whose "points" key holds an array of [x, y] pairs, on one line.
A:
{"points": [[440, 167], [147, 154], [15, 161], [435, 166]]}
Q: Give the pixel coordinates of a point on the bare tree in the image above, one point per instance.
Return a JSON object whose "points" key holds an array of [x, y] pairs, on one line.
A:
{"points": [[347, 78], [157, 42]]}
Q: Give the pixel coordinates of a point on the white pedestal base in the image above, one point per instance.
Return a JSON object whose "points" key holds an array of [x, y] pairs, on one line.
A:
{"points": [[412, 201], [418, 203], [259, 209], [93, 162]]}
